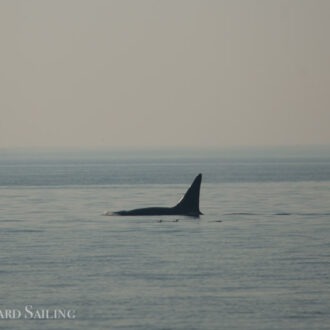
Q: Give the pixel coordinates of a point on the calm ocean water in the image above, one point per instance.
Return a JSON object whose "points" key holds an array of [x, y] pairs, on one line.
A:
{"points": [[258, 259]]}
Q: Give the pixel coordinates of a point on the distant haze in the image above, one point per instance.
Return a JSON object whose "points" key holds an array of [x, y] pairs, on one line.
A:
{"points": [[164, 73]]}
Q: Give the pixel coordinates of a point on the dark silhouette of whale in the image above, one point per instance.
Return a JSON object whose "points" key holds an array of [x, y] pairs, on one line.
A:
{"points": [[188, 205]]}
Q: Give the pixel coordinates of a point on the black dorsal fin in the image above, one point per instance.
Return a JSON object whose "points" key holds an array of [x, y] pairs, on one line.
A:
{"points": [[189, 203]]}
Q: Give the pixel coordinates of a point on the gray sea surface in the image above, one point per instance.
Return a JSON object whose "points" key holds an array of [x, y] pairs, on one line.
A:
{"points": [[259, 257]]}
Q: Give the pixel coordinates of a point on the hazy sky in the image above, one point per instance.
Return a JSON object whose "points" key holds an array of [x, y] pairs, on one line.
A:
{"points": [[164, 73]]}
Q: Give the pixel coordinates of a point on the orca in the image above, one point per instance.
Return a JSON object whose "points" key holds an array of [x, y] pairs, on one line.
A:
{"points": [[188, 204]]}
